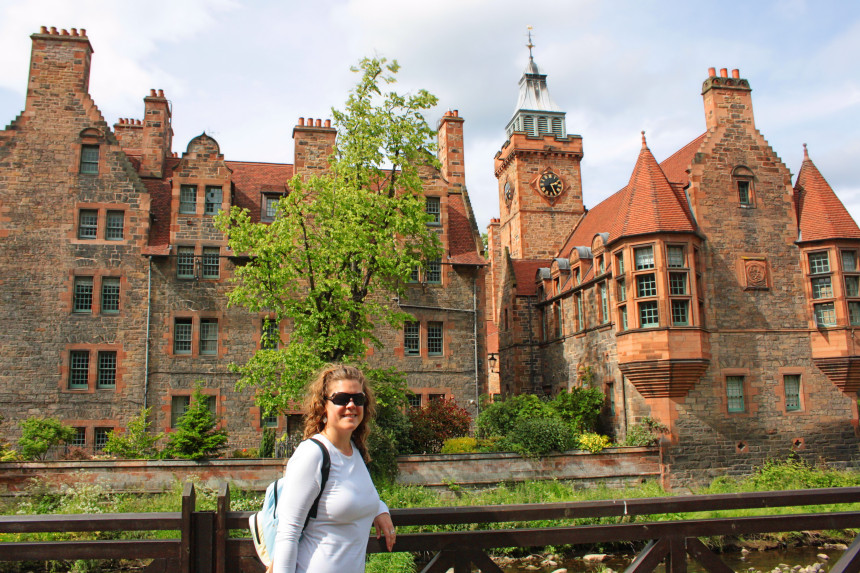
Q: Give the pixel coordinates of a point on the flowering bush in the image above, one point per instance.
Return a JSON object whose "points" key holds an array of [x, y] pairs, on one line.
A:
{"points": [[593, 442], [436, 422]]}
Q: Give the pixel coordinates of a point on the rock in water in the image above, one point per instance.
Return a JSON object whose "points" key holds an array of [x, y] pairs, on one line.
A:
{"points": [[594, 557]]}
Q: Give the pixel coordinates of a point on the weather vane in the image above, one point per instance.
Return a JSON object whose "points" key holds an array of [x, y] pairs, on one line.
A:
{"points": [[530, 45]]}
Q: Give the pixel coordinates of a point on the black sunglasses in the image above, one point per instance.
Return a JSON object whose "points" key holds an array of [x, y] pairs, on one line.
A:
{"points": [[343, 398]]}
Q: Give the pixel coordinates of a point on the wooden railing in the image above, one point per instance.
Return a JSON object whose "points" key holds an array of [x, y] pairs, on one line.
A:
{"points": [[204, 544]]}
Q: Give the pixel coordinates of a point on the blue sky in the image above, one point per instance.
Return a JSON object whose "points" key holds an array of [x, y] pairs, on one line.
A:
{"points": [[245, 71]]}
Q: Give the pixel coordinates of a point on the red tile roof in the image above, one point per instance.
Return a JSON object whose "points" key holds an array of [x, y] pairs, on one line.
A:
{"points": [[160, 195], [820, 212], [675, 166], [524, 273], [462, 246]]}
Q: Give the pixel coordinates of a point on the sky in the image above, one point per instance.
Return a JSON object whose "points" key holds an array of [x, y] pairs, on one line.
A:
{"points": [[245, 71]]}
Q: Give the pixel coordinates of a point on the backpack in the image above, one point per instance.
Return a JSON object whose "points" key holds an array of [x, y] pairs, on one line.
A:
{"points": [[264, 523]]}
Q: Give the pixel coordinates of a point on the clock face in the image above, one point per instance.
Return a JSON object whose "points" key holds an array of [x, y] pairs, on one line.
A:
{"points": [[550, 185], [509, 191]]}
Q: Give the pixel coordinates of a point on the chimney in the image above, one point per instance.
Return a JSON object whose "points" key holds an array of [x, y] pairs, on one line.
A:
{"points": [[157, 139], [59, 66], [727, 99], [451, 154], [314, 144]]}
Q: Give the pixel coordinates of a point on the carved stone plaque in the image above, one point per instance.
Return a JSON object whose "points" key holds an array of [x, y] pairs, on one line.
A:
{"points": [[755, 272]]}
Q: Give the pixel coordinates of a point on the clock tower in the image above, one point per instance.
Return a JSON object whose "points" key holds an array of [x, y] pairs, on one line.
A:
{"points": [[540, 186]]}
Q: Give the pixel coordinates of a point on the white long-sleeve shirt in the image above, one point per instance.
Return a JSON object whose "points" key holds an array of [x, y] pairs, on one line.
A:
{"points": [[336, 541]]}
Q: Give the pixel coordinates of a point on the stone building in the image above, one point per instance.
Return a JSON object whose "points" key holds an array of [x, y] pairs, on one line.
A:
{"points": [[709, 293], [115, 279]]}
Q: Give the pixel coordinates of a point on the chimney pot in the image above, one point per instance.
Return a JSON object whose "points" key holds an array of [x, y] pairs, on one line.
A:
{"points": [[74, 31], [64, 32], [310, 122], [456, 113], [712, 72], [736, 73], [724, 72], [301, 121], [151, 92], [83, 32], [54, 30], [160, 93], [328, 123], [43, 30], [319, 123]]}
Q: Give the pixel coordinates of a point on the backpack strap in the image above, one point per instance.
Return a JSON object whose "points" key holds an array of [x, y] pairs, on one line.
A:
{"points": [[326, 466]]}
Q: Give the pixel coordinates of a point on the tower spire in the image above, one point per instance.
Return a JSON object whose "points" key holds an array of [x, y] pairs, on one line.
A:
{"points": [[530, 45]]}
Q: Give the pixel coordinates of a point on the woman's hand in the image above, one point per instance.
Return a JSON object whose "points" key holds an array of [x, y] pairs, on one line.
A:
{"points": [[384, 526]]}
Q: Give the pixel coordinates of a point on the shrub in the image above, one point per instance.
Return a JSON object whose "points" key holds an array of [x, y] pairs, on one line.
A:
{"points": [[267, 443], [501, 418], [389, 435], [383, 456], [38, 435], [136, 442], [435, 422], [535, 437], [593, 442], [76, 454], [196, 436], [464, 445], [579, 408], [645, 433]]}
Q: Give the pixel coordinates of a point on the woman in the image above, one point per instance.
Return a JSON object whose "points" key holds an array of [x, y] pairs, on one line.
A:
{"points": [[338, 408]]}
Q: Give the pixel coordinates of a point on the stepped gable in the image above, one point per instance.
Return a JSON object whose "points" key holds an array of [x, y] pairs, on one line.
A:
{"points": [[251, 180], [820, 213], [524, 274], [160, 194], [649, 204], [462, 249]]}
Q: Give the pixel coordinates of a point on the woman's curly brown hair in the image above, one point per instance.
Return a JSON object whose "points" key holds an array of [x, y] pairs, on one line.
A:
{"points": [[315, 399]]}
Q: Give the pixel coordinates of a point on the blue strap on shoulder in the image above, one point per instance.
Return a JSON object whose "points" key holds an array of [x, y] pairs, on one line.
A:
{"points": [[324, 470]]}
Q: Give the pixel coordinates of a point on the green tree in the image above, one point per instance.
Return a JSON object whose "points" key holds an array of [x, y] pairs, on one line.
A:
{"points": [[343, 243], [196, 436], [38, 435], [136, 442]]}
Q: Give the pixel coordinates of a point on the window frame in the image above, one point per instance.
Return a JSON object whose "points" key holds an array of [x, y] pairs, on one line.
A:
{"points": [[433, 272], [79, 369], [270, 334], [174, 414], [735, 390], [89, 161], [645, 265], [111, 216], [187, 199], [796, 404], [412, 338], [92, 228], [206, 265], [185, 260], [212, 205], [105, 296], [649, 307], [106, 369], [82, 301], [187, 337], [433, 208], [435, 338], [207, 344]]}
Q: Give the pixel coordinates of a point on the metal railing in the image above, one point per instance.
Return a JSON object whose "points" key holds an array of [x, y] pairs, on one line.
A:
{"points": [[204, 544]]}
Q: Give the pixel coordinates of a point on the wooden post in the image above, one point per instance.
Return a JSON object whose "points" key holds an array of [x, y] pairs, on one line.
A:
{"points": [[221, 532], [186, 532], [204, 541]]}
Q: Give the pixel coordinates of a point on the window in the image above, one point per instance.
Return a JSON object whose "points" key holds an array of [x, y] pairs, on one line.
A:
{"points": [[604, 303], [648, 317], [182, 336], [100, 438], [268, 420], [854, 313], [600, 268], [735, 393], [646, 285], [821, 288], [83, 302], [270, 208], [411, 343], [213, 200], [825, 314], [211, 263], [209, 336], [580, 316], [79, 440], [435, 397], [89, 159], [849, 261], [185, 263], [433, 207], [212, 404], [107, 370], [852, 286], [434, 271], [675, 256], [188, 199], [414, 275], [88, 224], [610, 397], [622, 290], [677, 283], [792, 392], [576, 277], [559, 323], [619, 263], [680, 313], [744, 197], [414, 400], [819, 263], [114, 227], [110, 295], [622, 312], [644, 258], [434, 338], [79, 369], [178, 406], [271, 338]]}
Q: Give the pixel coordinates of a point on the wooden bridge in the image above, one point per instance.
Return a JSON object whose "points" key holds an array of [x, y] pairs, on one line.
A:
{"points": [[205, 546]]}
